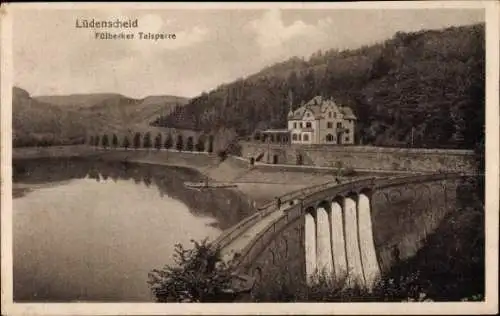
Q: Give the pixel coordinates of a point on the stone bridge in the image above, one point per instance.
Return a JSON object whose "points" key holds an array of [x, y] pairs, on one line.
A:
{"points": [[363, 227]]}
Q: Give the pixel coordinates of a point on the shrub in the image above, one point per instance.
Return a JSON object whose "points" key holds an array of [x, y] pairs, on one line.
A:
{"points": [[114, 140], [147, 140], [200, 145], [105, 141], [189, 144], [158, 141], [126, 142], [325, 288], [199, 275], [210, 144], [137, 140], [180, 143], [222, 154], [169, 142]]}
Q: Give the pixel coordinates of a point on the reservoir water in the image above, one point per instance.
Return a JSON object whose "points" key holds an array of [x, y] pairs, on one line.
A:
{"points": [[92, 230]]}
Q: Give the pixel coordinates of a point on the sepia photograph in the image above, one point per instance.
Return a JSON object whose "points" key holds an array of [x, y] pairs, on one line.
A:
{"points": [[250, 153]]}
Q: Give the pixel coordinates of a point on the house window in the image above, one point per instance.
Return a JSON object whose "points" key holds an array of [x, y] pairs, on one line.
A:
{"points": [[294, 136], [339, 125], [308, 125], [306, 137], [330, 114], [329, 125], [347, 139], [347, 131], [294, 125], [301, 125], [300, 137], [334, 114], [329, 138]]}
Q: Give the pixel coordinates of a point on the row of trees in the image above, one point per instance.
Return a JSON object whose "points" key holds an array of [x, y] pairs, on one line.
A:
{"points": [[203, 143]]}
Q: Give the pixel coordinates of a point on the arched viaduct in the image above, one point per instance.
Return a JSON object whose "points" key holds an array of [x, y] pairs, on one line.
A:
{"points": [[364, 227]]}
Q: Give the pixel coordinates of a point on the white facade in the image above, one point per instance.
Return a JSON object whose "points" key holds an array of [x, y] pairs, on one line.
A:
{"points": [[321, 121]]}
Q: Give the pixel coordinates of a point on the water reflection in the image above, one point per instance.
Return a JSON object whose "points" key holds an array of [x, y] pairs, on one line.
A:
{"points": [[92, 230], [228, 206]]}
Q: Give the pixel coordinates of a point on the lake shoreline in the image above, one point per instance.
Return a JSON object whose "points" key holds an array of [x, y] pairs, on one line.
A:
{"points": [[261, 186]]}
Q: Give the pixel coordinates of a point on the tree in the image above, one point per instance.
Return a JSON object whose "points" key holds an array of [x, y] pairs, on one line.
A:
{"points": [[210, 144], [180, 143], [158, 141], [198, 275], [169, 142], [105, 141], [391, 85], [126, 142], [147, 140], [137, 140], [189, 144], [115, 141], [200, 145]]}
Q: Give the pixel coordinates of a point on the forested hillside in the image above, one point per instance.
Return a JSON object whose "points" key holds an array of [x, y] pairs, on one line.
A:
{"points": [[43, 124], [429, 81], [68, 119]]}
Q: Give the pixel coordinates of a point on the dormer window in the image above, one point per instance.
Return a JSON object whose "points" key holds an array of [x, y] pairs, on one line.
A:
{"points": [[308, 125]]}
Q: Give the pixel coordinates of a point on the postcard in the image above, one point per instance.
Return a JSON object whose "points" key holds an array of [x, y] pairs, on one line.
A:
{"points": [[250, 158]]}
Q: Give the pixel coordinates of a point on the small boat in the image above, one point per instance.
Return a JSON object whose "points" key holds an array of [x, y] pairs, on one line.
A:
{"points": [[207, 185]]}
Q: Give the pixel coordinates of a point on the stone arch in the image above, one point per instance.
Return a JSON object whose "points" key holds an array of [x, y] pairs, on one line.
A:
{"points": [[311, 210], [310, 242], [324, 204], [366, 191]]}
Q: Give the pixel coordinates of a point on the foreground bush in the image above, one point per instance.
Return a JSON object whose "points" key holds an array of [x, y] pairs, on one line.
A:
{"points": [[198, 275]]}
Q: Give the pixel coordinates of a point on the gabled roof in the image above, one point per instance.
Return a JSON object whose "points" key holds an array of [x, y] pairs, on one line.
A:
{"points": [[318, 106], [348, 114]]}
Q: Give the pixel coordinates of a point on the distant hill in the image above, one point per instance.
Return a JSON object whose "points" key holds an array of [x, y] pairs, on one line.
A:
{"points": [[78, 100], [69, 119], [429, 84]]}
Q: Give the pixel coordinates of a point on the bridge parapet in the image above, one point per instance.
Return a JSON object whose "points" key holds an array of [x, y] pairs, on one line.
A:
{"points": [[288, 199]]}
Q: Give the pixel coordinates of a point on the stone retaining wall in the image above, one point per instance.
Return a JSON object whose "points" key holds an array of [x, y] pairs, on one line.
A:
{"points": [[364, 157]]}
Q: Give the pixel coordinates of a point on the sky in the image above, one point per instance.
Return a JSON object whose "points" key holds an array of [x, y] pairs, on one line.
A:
{"points": [[212, 47]]}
